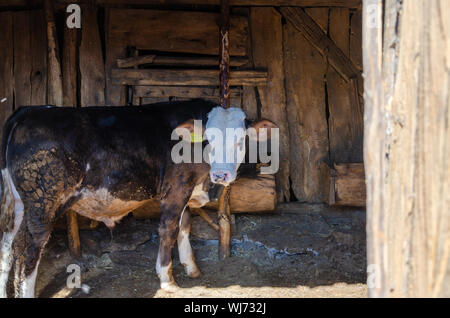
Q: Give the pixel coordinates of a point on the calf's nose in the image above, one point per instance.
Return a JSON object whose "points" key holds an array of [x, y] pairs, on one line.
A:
{"points": [[220, 176]]}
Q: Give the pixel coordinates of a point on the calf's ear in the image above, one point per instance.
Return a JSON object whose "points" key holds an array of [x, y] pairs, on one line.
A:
{"points": [[191, 130], [263, 124]]}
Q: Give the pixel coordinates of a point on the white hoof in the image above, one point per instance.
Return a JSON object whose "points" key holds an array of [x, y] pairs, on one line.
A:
{"points": [[170, 287]]}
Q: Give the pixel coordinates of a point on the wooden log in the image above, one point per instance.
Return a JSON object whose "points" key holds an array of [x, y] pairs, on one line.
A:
{"points": [[160, 30], [267, 47], [183, 77], [247, 195], [306, 107], [177, 61], [55, 91], [345, 115], [406, 147], [223, 213], [181, 91], [205, 216], [73, 235], [317, 37], [6, 67], [347, 185], [92, 69]]}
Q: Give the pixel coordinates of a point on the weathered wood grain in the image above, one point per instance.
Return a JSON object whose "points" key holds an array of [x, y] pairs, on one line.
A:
{"points": [[406, 147], [317, 37], [267, 46], [160, 30], [115, 95], [92, 69], [54, 84], [305, 70], [69, 67], [174, 77], [178, 61], [30, 71], [274, 3], [181, 91], [6, 67], [345, 117]]}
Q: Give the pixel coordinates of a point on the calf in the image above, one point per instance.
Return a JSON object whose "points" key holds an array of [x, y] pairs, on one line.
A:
{"points": [[102, 163]]}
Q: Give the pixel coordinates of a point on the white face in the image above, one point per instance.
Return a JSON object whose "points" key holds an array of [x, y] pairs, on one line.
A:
{"points": [[225, 131]]}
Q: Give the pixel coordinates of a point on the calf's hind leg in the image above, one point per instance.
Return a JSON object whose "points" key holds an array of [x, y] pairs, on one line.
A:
{"points": [[27, 249]]}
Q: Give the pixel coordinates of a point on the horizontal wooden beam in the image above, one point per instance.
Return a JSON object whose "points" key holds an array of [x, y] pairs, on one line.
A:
{"points": [[180, 91], [314, 34], [170, 77], [274, 3], [177, 61]]}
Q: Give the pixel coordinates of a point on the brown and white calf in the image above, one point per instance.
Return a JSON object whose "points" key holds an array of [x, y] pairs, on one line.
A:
{"points": [[102, 162]]}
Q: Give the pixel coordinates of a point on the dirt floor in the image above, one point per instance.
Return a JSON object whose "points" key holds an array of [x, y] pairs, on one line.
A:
{"points": [[299, 251]]}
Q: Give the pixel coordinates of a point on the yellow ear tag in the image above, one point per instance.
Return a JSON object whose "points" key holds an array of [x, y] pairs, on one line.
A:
{"points": [[196, 137]]}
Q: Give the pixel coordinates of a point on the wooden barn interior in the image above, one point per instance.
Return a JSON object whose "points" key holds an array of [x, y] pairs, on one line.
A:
{"points": [[298, 63]]}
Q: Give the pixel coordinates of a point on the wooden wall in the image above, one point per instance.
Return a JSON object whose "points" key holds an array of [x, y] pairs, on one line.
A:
{"points": [[309, 84]]}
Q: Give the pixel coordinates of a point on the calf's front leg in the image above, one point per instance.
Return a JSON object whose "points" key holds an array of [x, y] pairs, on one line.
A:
{"points": [[168, 232], [184, 246]]}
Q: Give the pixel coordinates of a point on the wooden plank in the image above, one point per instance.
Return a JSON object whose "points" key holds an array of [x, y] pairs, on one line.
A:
{"points": [[178, 61], [181, 91], [267, 44], [274, 3], [160, 30], [249, 103], [406, 147], [6, 67], [30, 71], [92, 69], [350, 184], [265, 3], [345, 118], [306, 25], [38, 44], [115, 95], [54, 88], [69, 67], [135, 61], [171, 77], [305, 70], [234, 102], [22, 61]]}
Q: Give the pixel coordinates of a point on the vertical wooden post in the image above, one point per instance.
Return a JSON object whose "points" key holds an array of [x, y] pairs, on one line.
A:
{"points": [[224, 74], [69, 80], [55, 90], [406, 147]]}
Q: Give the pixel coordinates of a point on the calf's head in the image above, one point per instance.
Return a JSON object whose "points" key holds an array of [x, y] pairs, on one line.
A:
{"points": [[226, 131]]}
